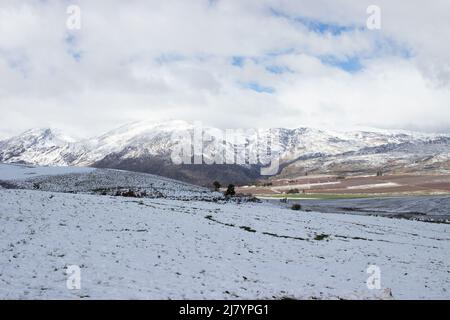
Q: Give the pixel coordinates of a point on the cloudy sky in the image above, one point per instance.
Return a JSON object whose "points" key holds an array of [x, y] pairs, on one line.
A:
{"points": [[227, 63]]}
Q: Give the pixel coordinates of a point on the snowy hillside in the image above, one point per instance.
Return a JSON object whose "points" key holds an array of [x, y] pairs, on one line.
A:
{"points": [[35, 146], [160, 248], [163, 247], [99, 181], [146, 146], [17, 171]]}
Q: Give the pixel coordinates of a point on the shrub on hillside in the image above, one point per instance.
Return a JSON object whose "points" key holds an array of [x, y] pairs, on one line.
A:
{"points": [[216, 185], [230, 191]]}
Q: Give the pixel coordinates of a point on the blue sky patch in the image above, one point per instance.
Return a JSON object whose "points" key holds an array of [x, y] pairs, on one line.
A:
{"points": [[314, 25], [322, 27], [386, 46], [278, 69], [72, 41], [76, 55], [349, 64], [238, 61], [255, 86]]}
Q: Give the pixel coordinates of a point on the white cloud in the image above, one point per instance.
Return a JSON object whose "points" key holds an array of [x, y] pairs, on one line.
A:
{"points": [[173, 59]]}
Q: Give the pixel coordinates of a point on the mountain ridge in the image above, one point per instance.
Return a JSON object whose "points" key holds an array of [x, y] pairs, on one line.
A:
{"points": [[146, 146]]}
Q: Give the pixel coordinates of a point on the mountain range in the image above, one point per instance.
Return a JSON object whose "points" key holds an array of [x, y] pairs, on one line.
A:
{"points": [[147, 147]]}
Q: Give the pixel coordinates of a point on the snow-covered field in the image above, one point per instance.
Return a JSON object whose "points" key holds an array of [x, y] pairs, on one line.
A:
{"points": [[99, 181], [168, 248], [17, 171]]}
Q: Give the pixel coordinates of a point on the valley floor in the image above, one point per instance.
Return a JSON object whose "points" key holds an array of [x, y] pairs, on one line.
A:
{"points": [[351, 186], [171, 249]]}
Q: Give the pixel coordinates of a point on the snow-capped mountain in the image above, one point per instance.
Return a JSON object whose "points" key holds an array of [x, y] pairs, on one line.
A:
{"points": [[147, 146], [35, 146], [365, 151]]}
